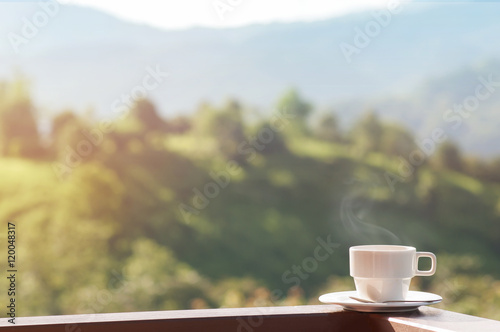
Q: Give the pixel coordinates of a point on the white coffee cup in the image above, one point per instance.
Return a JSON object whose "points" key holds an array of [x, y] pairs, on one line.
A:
{"points": [[383, 272]]}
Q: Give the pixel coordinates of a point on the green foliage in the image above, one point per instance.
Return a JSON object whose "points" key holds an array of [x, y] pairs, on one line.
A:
{"points": [[175, 214], [145, 113], [397, 141], [448, 157], [328, 128], [18, 128], [224, 125], [366, 134], [292, 103], [155, 279]]}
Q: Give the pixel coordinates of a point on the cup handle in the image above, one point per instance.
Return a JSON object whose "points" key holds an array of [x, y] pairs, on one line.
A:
{"points": [[432, 270]]}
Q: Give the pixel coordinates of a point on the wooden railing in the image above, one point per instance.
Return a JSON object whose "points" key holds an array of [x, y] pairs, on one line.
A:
{"points": [[300, 318]]}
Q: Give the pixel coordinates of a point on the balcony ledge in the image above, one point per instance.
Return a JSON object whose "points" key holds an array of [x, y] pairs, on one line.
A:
{"points": [[299, 318]]}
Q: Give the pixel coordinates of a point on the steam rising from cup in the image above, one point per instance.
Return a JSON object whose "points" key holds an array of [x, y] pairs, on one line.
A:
{"points": [[354, 214]]}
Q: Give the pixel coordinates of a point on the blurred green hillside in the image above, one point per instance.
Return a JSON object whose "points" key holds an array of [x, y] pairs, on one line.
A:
{"points": [[227, 208]]}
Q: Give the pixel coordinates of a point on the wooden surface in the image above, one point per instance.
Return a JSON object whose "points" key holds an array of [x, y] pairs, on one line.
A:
{"points": [[300, 318]]}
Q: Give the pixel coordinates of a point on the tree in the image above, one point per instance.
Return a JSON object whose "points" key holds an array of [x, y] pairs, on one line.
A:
{"points": [[146, 114], [367, 132], [292, 103], [67, 133], [328, 128], [493, 170], [448, 156], [225, 125], [18, 127], [270, 141], [180, 124], [397, 141], [478, 168], [161, 281]]}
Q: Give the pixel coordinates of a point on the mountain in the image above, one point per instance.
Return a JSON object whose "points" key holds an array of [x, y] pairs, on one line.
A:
{"points": [[446, 102], [83, 57]]}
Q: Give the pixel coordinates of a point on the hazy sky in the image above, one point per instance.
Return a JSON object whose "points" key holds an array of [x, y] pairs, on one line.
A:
{"points": [[178, 14]]}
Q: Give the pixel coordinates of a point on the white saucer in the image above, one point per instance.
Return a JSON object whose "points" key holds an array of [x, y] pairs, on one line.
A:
{"points": [[343, 299]]}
